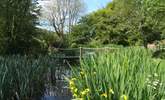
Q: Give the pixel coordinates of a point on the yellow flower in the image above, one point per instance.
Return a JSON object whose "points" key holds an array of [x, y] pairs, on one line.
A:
{"points": [[124, 97], [82, 73], [75, 95], [111, 91], [72, 86], [71, 83], [73, 79], [104, 95], [75, 90], [85, 92]]}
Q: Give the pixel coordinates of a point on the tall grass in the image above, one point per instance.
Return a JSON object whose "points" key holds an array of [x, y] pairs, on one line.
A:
{"points": [[23, 78], [126, 74]]}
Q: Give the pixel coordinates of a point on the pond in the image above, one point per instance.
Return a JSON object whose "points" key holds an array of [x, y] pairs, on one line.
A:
{"points": [[56, 98], [57, 87]]}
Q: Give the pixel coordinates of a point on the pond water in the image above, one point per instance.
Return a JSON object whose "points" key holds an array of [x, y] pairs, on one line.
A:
{"points": [[56, 98], [58, 89]]}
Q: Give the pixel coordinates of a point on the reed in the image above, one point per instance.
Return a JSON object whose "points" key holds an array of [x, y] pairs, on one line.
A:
{"points": [[24, 78], [126, 74]]}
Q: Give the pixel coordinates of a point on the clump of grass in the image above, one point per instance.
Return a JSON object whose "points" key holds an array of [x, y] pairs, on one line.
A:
{"points": [[127, 73]]}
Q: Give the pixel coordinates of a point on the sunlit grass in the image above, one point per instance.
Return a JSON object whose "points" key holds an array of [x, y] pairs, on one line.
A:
{"points": [[162, 63], [126, 74]]}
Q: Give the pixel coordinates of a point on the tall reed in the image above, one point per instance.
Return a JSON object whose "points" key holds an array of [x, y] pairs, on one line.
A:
{"points": [[24, 78], [125, 74]]}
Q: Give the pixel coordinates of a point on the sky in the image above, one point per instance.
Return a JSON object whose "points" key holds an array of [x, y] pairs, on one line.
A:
{"points": [[93, 5]]}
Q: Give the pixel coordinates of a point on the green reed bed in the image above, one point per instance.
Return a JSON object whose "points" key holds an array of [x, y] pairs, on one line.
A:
{"points": [[126, 74], [23, 78]]}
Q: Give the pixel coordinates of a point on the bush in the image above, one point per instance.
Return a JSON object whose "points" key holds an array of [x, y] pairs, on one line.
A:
{"points": [[127, 73], [159, 54]]}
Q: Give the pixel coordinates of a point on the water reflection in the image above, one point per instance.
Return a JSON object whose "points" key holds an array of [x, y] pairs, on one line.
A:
{"points": [[56, 98]]}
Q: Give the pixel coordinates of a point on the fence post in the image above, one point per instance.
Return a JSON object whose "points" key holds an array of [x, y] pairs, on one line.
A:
{"points": [[80, 56]]}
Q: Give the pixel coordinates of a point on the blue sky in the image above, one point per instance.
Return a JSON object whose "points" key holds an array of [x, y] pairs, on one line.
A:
{"points": [[93, 5]]}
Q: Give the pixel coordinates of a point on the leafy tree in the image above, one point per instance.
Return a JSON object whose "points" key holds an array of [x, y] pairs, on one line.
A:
{"points": [[103, 25], [19, 21], [63, 14], [126, 22]]}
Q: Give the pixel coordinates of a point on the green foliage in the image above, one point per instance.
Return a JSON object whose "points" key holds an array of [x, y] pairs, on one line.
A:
{"points": [[125, 74], [127, 22], [159, 54], [19, 19], [24, 78], [44, 40], [162, 63]]}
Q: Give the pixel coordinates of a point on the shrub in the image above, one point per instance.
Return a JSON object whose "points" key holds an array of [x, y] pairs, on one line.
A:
{"points": [[159, 54]]}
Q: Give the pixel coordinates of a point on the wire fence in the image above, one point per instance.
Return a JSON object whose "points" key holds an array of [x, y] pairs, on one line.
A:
{"points": [[161, 47], [78, 53]]}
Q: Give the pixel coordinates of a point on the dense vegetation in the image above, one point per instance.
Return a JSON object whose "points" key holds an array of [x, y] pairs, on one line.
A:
{"points": [[18, 19], [126, 22], [125, 74], [23, 77], [27, 51]]}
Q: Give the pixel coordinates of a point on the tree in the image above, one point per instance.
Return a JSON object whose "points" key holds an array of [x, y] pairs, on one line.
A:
{"points": [[105, 25], [63, 14], [126, 22], [152, 20], [19, 24]]}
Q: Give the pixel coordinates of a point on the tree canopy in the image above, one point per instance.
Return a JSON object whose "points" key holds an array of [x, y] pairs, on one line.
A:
{"points": [[121, 22], [126, 22], [18, 19]]}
